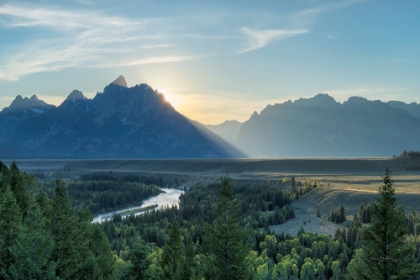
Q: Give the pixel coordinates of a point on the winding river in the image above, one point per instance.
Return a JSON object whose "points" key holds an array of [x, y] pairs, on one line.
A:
{"points": [[168, 198]]}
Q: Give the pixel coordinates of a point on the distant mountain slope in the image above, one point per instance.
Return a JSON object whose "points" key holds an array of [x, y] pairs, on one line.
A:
{"points": [[121, 122], [412, 108], [228, 130], [322, 127]]}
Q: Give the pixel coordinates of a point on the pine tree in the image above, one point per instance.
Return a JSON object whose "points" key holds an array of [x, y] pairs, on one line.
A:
{"points": [[99, 250], [293, 186], [188, 270], [225, 239], [32, 252], [46, 206], [10, 222], [18, 187], [139, 263], [4, 178], [173, 254], [385, 253], [341, 216], [65, 234]]}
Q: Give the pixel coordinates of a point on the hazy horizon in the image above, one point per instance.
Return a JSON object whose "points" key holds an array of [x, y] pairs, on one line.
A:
{"points": [[213, 61]]}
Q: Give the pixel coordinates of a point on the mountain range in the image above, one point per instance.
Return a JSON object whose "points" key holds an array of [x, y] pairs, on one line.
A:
{"points": [[120, 122], [321, 127], [137, 122]]}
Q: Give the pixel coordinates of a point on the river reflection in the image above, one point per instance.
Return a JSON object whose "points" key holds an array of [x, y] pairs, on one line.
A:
{"points": [[168, 198]]}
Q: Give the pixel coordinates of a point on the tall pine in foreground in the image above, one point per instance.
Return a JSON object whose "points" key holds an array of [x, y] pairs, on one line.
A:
{"points": [[65, 234], [137, 270], [226, 238], [32, 252], [172, 258], [18, 182], [10, 222], [385, 253]]}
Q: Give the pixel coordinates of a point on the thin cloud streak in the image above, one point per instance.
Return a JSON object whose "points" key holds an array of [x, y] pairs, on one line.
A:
{"points": [[19, 16], [260, 38], [85, 39], [149, 60], [327, 7]]}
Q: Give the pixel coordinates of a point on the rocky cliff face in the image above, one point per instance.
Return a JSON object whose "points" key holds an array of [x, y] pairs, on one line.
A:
{"points": [[120, 122], [322, 127]]}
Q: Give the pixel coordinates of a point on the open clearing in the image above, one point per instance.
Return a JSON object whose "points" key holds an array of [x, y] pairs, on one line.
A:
{"points": [[345, 181]]}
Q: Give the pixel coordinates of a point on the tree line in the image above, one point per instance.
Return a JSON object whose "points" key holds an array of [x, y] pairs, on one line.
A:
{"points": [[100, 196]]}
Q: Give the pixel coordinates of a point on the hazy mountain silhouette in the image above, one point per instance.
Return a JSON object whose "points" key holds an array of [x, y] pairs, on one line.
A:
{"points": [[321, 127], [121, 122], [228, 130], [412, 108]]}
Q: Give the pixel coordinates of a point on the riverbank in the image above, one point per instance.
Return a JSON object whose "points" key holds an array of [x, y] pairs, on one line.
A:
{"points": [[168, 198]]}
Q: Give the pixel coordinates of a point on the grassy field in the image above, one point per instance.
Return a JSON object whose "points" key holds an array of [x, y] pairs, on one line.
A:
{"points": [[348, 181], [246, 168], [349, 191]]}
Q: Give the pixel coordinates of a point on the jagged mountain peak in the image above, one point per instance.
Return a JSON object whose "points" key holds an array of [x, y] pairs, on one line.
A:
{"points": [[120, 81], [319, 100], [75, 95], [24, 103], [357, 100], [34, 98]]}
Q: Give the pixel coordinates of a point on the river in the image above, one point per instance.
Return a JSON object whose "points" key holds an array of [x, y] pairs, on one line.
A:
{"points": [[169, 197]]}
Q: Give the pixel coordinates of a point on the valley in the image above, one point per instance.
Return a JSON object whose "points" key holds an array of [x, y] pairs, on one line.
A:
{"points": [[342, 181]]}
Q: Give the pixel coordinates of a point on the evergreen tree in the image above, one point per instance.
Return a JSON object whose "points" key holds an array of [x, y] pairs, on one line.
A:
{"points": [[10, 222], [99, 249], [32, 252], [172, 254], [65, 234], [46, 206], [225, 239], [18, 187], [385, 253], [4, 178], [139, 263], [341, 217], [293, 186], [188, 270]]}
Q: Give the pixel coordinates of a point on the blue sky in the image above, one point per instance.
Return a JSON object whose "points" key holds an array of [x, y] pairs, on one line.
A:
{"points": [[213, 60]]}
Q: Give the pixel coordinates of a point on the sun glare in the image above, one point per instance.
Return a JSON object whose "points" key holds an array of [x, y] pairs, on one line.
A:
{"points": [[171, 98]]}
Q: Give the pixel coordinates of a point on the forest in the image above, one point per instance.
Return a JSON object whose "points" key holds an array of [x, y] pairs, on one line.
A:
{"points": [[220, 231]]}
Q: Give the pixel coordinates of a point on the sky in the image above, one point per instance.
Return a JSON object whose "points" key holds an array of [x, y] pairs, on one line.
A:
{"points": [[213, 60]]}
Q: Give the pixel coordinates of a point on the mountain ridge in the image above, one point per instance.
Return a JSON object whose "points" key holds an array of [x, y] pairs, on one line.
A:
{"points": [[310, 128], [119, 122]]}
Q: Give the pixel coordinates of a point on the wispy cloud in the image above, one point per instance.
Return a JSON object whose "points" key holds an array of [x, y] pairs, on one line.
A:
{"points": [[148, 60], [24, 16], [301, 20], [258, 39], [330, 35], [308, 14], [81, 38]]}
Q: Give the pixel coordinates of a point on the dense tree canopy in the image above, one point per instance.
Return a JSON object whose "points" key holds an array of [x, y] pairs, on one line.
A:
{"points": [[52, 239]]}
